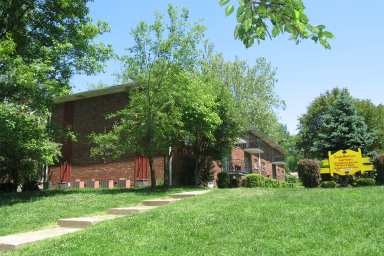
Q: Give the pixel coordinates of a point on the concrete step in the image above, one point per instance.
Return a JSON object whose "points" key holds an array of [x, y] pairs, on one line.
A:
{"points": [[189, 194], [83, 222], [14, 241], [159, 201], [130, 210]]}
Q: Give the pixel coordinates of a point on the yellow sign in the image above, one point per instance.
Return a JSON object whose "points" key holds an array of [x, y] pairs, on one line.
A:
{"points": [[346, 162]]}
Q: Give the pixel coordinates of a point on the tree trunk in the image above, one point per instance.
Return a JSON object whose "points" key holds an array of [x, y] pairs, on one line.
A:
{"points": [[153, 174]]}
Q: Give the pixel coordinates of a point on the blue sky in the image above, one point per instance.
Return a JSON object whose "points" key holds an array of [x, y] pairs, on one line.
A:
{"points": [[304, 71]]}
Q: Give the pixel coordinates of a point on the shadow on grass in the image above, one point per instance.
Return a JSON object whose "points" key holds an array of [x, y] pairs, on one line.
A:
{"points": [[7, 199]]}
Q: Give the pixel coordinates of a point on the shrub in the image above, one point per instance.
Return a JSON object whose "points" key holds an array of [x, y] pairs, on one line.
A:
{"points": [[8, 187], [362, 182], [30, 186], [223, 180], [379, 166], [328, 184], [272, 183], [309, 172], [291, 179], [255, 180]]}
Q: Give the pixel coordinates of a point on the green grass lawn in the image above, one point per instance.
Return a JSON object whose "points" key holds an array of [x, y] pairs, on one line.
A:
{"points": [[29, 211], [240, 222]]}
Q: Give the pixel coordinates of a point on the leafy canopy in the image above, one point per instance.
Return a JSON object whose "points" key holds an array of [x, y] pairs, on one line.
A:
{"points": [[252, 89], [258, 20], [55, 38]]}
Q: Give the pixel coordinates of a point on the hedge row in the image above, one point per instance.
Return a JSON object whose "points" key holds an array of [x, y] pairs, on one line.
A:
{"points": [[225, 180], [256, 180]]}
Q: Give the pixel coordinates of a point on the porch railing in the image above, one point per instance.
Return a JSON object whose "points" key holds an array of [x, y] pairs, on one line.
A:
{"points": [[236, 166]]}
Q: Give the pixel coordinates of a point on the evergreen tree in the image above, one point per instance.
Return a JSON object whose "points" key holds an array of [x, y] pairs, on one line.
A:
{"points": [[335, 126]]}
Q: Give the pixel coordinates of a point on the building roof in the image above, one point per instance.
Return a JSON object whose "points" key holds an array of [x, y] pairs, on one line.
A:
{"points": [[268, 140], [95, 93]]}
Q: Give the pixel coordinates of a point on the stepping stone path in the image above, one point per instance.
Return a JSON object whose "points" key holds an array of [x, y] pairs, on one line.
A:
{"points": [[13, 241], [130, 210], [189, 194], [83, 222], [71, 225], [159, 202]]}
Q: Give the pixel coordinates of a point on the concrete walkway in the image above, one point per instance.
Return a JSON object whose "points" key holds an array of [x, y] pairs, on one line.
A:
{"points": [[71, 225]]}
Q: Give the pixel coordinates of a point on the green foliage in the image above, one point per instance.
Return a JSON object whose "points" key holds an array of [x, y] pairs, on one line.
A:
{"points": [[173, 103], [252, 88], [42, 44], [256, 180], [23, 82], [259, 20], [309, 172], [272, 183], [25, 144], [328, 184], [373, 117], [293, 155], [56, 34], [363, 182], [179, 100], [223, 180], [332, 123], [379, 166]]}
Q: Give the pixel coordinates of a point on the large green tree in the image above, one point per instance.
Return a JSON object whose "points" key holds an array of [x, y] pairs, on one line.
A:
{"points": [[253, 91], [211, 120], [42, 44], [160, 61], [332, 123], [258, 20]]}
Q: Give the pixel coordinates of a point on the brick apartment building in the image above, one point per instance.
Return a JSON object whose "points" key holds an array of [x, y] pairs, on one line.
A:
{"points": [[257, 153], [84, 113]]}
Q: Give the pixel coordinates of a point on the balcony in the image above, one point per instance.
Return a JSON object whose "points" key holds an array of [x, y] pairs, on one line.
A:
{"points": [[239, 166]]}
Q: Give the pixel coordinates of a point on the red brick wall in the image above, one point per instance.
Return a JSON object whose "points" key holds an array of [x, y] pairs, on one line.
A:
{"points": [[108, 171], [89, 115]]}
